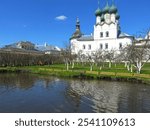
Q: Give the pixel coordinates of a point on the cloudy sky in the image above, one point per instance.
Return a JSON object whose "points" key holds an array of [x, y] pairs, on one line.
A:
{"points": [[53, 21]]}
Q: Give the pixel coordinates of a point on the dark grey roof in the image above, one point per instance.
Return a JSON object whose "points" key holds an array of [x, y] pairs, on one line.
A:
{"points": [[18, 50], [86, 38], [77, 34], [15, 45]]}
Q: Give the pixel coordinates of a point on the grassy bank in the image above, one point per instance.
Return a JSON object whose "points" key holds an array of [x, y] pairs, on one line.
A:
{"points": [[118, 73]]}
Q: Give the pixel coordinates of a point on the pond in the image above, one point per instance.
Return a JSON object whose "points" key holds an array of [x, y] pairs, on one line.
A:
{"points": [[27, 93]]}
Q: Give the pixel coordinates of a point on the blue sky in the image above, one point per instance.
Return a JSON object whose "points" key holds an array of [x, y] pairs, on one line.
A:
{"points": [[38, 21]]}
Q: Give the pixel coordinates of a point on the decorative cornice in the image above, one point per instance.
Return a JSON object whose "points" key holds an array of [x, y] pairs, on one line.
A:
{"points": [[105, 23]]}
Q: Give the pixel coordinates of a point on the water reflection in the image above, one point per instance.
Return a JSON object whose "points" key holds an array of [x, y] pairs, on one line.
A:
{"points": [[23, 81], [114, 96], [104, 97], [32, 93]]}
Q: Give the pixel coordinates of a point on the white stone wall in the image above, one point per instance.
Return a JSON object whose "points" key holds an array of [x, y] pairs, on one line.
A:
{"points": [[98, 20], [113, 44], [113, 18], [111, 28]]}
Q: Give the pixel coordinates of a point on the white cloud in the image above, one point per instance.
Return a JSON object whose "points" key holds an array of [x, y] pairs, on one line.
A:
{"points": [[61, 18]]}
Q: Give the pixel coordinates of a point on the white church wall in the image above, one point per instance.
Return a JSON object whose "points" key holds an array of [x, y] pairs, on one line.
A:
{"points": [[110, 28], [105, 44], [113, 18], [98, 19]]}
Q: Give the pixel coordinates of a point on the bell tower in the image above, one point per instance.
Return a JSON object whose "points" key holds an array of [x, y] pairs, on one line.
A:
{"points": [[107, 22], [77, 33]]}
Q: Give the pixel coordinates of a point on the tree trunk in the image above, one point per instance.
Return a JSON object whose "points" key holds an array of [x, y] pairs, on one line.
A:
{"points": [[67, 66], [100, 68], [125, 64], [72, 64], [91, 67], [109, 64], [131, 68], [139, 70], [139, 67], [128, 67]]}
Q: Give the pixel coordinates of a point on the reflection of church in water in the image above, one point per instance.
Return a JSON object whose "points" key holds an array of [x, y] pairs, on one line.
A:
{"points": [[107, 97], [101, 99]]}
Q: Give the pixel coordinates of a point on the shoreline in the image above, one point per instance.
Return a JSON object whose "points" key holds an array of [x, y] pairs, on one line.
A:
{"points": [[87, 75]]}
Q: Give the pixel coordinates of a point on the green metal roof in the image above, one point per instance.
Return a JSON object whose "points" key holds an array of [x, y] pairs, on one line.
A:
{"points": [[117, 16], [98, 12], [113, 9], [106, 8]]}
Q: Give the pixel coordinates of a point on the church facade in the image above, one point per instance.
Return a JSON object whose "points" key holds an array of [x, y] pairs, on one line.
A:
{"points": [[106, 36]]}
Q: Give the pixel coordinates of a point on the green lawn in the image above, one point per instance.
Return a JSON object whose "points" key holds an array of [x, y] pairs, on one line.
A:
{"points": [[118, 68], [79, 70]]}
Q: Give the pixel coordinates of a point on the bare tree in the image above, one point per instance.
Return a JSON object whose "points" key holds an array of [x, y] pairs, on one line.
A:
{"points": [[110, 56], [138, 54], [98, 58], [68, 57], [81, 57], [65, 58], [90, 60], [12, 58]]}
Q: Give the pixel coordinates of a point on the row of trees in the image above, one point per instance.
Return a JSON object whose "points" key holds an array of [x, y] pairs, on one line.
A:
{"points": [[133, 56], [27, 59]]}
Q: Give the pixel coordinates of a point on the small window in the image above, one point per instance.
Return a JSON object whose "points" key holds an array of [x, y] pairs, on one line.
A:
{"points": [[89, 47], [101, 46], [120, 45], [84, 47], [106, 46], [101, 34], [107, 34]]}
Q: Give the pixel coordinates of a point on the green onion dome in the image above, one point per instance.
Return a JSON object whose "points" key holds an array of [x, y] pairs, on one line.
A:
{"points": [[113, 9], [117, 16], [106, 9], [98, 12]]}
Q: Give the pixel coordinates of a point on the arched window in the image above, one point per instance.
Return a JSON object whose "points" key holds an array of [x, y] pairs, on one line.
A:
{"points": [[106, 45], [89, 47], [101, 34], [107, 34], [101, 46]]}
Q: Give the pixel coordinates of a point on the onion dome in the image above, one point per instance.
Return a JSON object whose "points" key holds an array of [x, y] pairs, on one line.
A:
{"points": [[106, 8], [98, 12], [113, 9], [117, 16]]}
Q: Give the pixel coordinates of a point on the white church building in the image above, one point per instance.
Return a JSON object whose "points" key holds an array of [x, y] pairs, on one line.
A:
{"points": [[107, 33]]}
